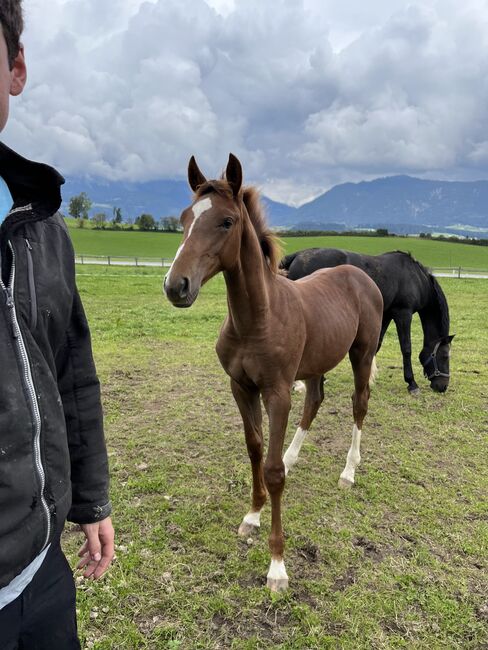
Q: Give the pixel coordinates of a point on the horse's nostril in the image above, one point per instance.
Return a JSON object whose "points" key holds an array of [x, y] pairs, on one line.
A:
{"points": [[184, 286]]}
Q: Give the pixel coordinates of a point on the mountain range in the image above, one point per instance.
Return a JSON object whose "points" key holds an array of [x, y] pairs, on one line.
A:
{"points": [[401, 204]]}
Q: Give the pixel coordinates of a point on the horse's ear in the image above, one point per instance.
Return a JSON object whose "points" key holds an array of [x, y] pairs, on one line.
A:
{"points": [[450, 337], [195, 176], [233, 174]]}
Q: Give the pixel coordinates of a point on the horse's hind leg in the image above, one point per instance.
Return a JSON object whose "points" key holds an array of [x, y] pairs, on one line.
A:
{"points": [[362, 364], [313, 400], [250, 408]]}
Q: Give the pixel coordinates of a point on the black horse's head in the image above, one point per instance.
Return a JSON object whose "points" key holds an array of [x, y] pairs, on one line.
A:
{"points": [[434, 358]]}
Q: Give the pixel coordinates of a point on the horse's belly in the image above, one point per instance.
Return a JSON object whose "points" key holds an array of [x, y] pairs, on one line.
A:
{"points": [[319, 359]]}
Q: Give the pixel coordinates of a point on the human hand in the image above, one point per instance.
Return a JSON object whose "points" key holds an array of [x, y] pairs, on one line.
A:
{"points": [[98, 550]]}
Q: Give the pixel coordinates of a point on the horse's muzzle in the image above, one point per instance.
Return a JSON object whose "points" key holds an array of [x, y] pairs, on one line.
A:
{"points": [[439, 386], [178, 292]]}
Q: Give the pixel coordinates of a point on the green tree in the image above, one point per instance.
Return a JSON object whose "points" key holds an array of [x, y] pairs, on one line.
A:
{"points": [[146, 222], [79, 206], [99, 220], [117, 216], [170, 224]]}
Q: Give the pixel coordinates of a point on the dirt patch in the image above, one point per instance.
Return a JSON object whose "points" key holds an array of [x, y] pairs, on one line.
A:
{"points": [[370, 549], [343, 582]]}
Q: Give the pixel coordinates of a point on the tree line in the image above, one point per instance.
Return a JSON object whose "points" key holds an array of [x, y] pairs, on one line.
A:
{"points": [[80, 206]]}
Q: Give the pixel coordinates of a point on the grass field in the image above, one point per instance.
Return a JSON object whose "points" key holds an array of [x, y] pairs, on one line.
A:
{"points": [[157, 244], [400, 561]]}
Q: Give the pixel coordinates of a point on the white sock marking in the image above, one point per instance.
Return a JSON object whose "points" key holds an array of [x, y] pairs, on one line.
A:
{"points": [[291, 454], [353, 456], [198, 209], [277, 570], [253, 519]]}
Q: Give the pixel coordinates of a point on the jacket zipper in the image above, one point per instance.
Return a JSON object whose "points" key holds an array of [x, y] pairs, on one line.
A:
{"points": [[31, 391], [32, 287]]}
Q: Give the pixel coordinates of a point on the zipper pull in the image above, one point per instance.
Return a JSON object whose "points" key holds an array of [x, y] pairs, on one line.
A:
{"points": [[10, 305], [10, 298]]}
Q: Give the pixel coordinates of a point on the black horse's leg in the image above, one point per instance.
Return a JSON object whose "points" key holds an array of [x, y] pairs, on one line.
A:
{"points": [[403, 322], [384, 326]]}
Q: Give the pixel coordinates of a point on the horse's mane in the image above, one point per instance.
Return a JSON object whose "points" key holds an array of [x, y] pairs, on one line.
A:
{"points": [[437, 292], [269, 242]]}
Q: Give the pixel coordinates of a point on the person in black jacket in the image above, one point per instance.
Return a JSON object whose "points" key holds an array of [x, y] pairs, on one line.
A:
{"points": [[53, 460]]}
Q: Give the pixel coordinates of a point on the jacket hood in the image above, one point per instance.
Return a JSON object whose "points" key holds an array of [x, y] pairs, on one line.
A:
{"points": [[35, 189]]}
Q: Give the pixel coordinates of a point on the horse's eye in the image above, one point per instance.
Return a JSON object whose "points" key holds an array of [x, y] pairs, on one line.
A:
{"points": [[227, 223]]}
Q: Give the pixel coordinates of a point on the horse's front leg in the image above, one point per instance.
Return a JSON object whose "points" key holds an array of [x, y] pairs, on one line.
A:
{"points": [[277, 404], [250, 408], [403, 322]]}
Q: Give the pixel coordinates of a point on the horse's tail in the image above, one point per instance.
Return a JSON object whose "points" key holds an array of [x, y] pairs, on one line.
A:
{"points": [[287, 261], [373, 373]]}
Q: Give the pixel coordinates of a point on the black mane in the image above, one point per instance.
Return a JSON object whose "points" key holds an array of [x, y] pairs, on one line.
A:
{"points": [[437, 293]]}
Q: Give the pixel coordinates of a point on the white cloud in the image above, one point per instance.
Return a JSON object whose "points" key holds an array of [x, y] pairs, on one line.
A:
{"points": [[306, 92]]}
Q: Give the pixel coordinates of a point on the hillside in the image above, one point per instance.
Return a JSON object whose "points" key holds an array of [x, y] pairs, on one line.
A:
{"points": [[402, 204]]}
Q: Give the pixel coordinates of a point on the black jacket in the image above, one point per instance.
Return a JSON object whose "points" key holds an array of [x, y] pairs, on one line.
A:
{"points": [[53, 461]]}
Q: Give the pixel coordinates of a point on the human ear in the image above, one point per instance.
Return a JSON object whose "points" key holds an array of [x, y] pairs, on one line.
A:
{"points": [[18, 73]]}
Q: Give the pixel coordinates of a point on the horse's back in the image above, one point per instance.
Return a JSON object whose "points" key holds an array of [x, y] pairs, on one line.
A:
{"points": [[342, 307], [344, 288], [401, 280], [312, 259]]}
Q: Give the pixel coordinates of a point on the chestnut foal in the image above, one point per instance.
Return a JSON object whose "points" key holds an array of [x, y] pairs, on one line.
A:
{"points": [[276, 331]]}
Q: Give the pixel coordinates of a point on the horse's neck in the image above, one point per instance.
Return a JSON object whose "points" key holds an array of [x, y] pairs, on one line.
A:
{"points": [[247, 285], [431, 317]]}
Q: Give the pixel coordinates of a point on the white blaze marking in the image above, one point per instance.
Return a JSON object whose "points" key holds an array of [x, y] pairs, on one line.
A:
{"points": [[291, 455], [198, 209], [277, 570], [353, 456]]}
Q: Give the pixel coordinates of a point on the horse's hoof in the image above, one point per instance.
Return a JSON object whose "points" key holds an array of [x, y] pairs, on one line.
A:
{"points": [[247, 530], [299, 387], [277, 584], [345, 483], [414, 391]]}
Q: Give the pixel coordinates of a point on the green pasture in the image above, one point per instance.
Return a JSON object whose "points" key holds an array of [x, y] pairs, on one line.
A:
{"points": [[158, 244], [400, 561]]}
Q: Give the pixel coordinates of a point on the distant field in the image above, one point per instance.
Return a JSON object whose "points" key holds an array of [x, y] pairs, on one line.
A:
{"points": [[149, 244]]}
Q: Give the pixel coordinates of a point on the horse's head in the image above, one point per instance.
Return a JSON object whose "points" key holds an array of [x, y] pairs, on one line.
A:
{"points": [[434, 358], [212, 228]]}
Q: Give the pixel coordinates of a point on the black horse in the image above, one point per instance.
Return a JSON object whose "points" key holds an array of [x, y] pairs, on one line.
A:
{"points": [[407, 287]]}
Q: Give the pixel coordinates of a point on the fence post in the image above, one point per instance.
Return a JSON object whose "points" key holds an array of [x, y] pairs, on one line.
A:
{"points": [[82, 259], [108, 258], [137, 262], [459, 272]]}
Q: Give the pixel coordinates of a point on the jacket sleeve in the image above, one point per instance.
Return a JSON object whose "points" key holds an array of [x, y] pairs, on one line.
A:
{"points": [[80, 393]]}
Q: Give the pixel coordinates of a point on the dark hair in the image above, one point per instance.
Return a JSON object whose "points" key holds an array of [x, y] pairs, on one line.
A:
{"points": [[12, 24]]}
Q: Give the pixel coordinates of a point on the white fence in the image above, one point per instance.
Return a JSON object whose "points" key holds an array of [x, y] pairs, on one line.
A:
{"points": [[114, 260], [165, 262]]}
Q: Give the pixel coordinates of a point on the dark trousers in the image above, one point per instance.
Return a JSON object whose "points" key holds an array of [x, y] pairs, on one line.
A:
{"points": [[43, 617]]}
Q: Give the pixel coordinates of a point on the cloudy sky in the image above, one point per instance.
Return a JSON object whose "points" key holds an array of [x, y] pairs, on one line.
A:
{"points": [[307, 93]]}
